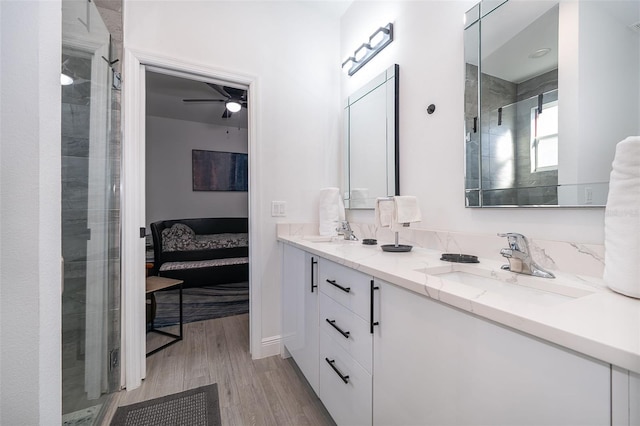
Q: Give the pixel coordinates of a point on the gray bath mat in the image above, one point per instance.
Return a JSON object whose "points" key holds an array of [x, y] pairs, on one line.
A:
{"points": [[194, 407]]}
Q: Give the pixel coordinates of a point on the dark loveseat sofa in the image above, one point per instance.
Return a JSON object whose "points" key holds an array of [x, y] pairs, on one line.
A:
{"points": [[206, 251]]}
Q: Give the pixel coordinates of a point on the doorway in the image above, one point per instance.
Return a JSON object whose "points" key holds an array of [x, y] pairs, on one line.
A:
{"points": [[196, 167]]}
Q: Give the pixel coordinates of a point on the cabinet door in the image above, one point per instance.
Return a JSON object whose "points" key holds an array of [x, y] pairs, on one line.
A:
{"points": [[345, 386], [433, 364], [300, 310]]}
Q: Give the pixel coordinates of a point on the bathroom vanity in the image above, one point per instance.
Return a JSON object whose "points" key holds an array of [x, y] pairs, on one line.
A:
{"points": [[405, 338]]}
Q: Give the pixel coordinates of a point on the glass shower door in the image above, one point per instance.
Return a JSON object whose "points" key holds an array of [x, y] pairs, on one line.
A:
{"points": [[90, 218]]}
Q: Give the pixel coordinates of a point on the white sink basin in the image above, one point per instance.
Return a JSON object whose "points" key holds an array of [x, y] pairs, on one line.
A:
{"points": [[524, 288]]}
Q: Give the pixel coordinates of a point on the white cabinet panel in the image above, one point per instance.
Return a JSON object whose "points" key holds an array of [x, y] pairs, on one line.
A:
{"points": [[634, 399], [436, 365], [300, 311], [349, 400], [353, 334], [347, 286]]}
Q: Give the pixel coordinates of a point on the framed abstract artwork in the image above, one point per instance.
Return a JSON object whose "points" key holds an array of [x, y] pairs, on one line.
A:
{"points": [[219, 171]]}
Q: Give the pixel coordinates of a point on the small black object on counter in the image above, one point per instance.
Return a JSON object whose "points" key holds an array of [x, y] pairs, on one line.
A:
{"points": [[459, 258], [369, 241], [396, 248]]}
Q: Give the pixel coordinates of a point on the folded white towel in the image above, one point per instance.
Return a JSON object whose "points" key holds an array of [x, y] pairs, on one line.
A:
{"points": [[331, 211], [360, 198], [384, 211], [406, 209], [622, 220]]}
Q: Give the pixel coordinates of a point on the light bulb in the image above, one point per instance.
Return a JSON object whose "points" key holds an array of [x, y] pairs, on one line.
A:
{"points": [[377, 38], [65, 80], [233, 106]]}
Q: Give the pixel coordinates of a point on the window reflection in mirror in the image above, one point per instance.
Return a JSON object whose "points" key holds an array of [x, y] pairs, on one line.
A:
{"points": [[371, 141]]}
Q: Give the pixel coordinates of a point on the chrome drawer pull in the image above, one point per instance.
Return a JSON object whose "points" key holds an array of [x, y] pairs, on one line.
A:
{"points": [[345, 289], [342, 376], [332, 323]]}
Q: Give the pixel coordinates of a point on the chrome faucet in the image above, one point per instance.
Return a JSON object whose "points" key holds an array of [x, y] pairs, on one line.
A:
{"points": [[345, 229], [519, 257]]}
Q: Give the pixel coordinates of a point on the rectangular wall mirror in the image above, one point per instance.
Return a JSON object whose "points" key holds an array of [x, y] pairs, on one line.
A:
{"points": [[551, 88], [371, 142]]}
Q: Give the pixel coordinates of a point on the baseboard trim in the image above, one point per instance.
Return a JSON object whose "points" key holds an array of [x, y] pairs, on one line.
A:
{"points": [[270, 346]]}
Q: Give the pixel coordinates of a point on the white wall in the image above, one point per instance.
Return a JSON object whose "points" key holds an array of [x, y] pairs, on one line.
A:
{"points": [[428, 46], [169, 193], [30, 273], [292, 49], [594, 42]]}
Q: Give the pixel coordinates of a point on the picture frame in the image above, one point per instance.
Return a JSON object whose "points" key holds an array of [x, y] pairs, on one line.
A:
{"points": [[219, 171]]}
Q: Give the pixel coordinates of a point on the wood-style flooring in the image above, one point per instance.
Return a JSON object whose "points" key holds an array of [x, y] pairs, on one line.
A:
{"points": [[269, 391]]}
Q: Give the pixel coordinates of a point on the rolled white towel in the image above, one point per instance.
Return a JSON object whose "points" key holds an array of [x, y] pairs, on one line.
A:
{"points": [[330, 211], [406, 210], [384, 211], [622, 220]]}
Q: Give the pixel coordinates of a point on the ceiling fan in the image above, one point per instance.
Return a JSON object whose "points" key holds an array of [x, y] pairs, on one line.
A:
{"points": [[234, 100]]}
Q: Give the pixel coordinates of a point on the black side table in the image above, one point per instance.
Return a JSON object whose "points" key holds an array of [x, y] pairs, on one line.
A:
{"points": [[154, 284]]}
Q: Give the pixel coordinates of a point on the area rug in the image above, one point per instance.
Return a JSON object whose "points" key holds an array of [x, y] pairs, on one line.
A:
{"points": [[201, 303], [194, 407]]}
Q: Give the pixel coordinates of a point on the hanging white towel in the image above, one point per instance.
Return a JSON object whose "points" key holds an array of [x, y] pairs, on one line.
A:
{"points": [[406, 209], [331, 211], [622, 220], [384, 211]]}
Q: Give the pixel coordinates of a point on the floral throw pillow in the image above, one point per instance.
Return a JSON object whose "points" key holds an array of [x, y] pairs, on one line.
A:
{"points": [[179, 237]]}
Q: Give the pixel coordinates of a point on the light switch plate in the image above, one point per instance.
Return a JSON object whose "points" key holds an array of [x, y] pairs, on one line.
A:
{"points": [[278, 208]]}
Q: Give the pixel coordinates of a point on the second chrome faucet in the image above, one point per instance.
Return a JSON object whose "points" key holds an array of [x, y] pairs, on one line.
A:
{"points": [[519, 257]]}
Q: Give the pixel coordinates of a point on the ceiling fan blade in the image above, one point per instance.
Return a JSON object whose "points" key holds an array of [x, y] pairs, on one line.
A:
{"points": [[203, 100]]}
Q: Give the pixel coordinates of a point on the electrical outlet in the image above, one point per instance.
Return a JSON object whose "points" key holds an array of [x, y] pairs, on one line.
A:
{"points": [[278, 208], [588, 195]]}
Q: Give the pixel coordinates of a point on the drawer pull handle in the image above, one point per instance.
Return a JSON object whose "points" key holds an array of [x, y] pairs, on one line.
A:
{"points": [[313, 262], [342, 376], [334, 283], [372, 323], [333, 324]]}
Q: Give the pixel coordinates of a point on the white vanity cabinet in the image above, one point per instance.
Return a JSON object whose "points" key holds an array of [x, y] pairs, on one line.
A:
{"points": [[625, 397], [300, 311], [433, 364], [345, 344]]}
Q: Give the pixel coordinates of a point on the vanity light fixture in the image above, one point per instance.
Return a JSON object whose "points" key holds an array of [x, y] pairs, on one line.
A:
{"points": [[363, 54]]}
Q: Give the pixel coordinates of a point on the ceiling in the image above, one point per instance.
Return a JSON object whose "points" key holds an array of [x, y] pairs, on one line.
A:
{"points": [[166, 92]]}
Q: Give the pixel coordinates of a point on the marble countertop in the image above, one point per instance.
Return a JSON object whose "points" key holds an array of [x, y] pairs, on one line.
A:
{"points": [[594, 320]]}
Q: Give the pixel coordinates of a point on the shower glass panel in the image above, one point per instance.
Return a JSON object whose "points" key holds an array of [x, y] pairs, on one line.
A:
{"points": [[520, 152], [90, 218]]}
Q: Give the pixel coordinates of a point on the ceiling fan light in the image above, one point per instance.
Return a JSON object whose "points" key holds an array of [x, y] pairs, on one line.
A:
{"points": [[65, 80], [233, 106]]}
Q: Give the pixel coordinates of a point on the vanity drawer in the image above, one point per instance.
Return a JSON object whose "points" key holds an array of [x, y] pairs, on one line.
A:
{"points": [[348, 400], [346, 286], [347, 329]]}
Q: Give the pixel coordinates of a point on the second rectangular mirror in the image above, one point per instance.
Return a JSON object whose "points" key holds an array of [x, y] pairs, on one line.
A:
{"points": [[371, 142]]}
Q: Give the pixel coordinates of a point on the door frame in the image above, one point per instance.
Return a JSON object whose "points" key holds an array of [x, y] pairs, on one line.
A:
{"points": [[133, 184]]}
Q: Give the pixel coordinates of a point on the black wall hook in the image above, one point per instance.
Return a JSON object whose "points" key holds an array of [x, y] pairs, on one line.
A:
{"points": [[431, 108]]}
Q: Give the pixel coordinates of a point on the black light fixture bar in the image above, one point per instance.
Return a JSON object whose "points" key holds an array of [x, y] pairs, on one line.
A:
{"points": [[363, 54]]}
